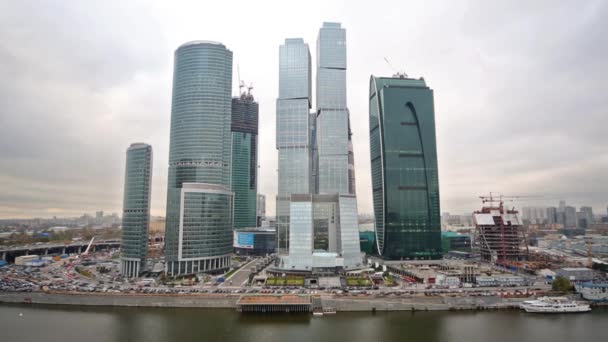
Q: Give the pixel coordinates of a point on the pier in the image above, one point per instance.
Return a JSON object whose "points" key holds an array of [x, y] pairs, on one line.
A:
{"points": [[274, 303]]}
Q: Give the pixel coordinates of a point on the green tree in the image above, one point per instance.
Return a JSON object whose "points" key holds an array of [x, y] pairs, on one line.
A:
{"points": [[561, 284]]}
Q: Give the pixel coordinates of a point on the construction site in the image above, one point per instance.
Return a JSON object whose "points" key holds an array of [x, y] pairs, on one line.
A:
{"points": [[499, 232], [501, 238]]}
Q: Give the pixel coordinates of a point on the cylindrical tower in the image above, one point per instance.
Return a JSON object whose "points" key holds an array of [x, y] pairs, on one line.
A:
{"points": [[136, 209], [200, 155]]}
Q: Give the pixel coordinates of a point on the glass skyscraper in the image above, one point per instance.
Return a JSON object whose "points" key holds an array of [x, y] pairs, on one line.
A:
{"points": [[198, 235], [244, 159], [316, 166], [405, 183], [136, 209], [334, 149], [293, 137]]}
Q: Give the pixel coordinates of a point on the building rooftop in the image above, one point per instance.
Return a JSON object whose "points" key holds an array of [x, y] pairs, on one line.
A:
{"points": [[294, 41], [399, 79], [331, 25], [196, 42], [138, 145]]}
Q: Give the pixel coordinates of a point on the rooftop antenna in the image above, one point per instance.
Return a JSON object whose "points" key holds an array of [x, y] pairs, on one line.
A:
{"points": [[399, 74]]}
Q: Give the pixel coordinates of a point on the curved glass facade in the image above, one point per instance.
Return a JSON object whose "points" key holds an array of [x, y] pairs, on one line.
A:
{"points": [[404, 169], [136, 209], [201, 144]]}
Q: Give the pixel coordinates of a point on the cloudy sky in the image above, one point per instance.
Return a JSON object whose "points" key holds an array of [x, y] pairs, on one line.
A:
{"points": [[520, 92]]}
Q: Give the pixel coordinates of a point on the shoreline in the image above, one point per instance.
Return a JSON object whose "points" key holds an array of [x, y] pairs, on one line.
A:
{"points": [[228, 301]]}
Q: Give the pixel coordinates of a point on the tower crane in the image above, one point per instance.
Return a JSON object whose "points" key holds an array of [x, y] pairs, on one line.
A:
{"points": [[241, 83]]}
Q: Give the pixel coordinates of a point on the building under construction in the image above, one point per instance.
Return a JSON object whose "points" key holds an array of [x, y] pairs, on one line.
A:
{"points": [[499, 233]]}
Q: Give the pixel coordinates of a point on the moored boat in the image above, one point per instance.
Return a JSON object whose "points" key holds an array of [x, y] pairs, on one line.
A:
{"points": [[554, 305]]}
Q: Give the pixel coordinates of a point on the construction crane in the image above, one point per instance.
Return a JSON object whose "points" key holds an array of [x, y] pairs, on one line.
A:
{"points": [[89, 246], [400, 74], [241, 83]]}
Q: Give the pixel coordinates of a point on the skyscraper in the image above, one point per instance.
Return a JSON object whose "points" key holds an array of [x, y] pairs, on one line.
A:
{"points": [[586, 217], [552, 215], [244, 159], [136, 209], [405, 181], [198, 234], [293, 138], [570, 217], [334, 148], [323, 227]]}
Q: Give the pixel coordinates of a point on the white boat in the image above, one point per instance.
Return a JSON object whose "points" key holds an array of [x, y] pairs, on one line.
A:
{"points": [[596, 292], [554, 305]]}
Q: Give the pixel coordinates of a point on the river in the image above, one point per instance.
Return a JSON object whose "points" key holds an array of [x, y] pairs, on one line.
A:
{"points": [[92, 324]]}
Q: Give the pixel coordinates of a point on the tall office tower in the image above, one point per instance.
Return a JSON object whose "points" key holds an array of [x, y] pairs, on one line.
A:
{"points": [[405, 183], [534, 215], [198, 236], [570, 217], [552, 215], [293, 131], [244, 159], [335, 170], [136, 209], [586, 218]]}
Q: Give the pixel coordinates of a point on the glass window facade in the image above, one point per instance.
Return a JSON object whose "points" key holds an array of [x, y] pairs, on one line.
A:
{"points": [[332, 126], [201, 142], [324, 225], [244, 168], [205, 215], [301, 233], [405, 181], [136, 209], [244, 159], [293, 139]]}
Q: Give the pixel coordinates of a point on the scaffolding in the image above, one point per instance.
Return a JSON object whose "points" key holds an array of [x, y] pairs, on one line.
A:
{"points": [[499, 233]]}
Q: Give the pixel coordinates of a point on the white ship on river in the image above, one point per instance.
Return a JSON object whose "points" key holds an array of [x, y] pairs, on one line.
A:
{"points": [[554, 305]]}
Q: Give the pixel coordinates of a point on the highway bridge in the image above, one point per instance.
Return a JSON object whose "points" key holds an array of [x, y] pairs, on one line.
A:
{"points": [[9, 254]]}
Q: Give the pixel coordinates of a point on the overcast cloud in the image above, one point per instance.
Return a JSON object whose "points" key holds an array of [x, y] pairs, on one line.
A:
{"points": [[519, 92]]}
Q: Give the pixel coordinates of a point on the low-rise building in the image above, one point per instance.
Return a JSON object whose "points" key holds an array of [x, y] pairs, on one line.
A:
{"points": [[576, 273], [500, 280]]}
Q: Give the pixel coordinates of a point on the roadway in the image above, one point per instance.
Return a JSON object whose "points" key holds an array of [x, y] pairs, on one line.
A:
{"points": [[238, 278]]}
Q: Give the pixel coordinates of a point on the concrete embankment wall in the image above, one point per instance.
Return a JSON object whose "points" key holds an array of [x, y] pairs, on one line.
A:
{"points": [[221, 301], [190, 301], [421, 303], [355, 304]]}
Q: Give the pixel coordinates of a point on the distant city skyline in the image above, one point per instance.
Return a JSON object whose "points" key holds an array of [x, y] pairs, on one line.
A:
{"points": [[66, 118]]}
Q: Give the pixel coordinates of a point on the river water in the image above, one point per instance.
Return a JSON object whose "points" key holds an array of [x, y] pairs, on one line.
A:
{"points": [[121, 324]]}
